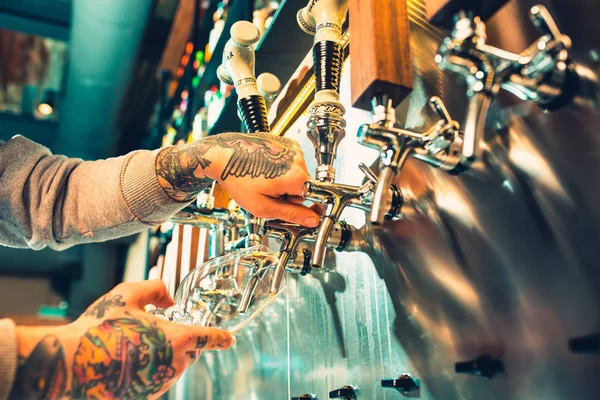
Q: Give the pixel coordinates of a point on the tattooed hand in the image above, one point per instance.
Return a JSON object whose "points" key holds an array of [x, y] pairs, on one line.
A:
{"points": [[113, 351], [263, 173]]}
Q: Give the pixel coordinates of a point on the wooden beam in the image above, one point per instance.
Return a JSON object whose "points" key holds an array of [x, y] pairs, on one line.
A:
{"points": [[178, 37], [380, 51]]}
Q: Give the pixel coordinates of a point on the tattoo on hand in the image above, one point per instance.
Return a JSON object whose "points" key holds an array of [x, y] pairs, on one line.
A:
{"points": [[177, 166], [254, 155], [123, 358], [128, 358], [201, 342], [101, 306], [258, 154], [42, 374]]}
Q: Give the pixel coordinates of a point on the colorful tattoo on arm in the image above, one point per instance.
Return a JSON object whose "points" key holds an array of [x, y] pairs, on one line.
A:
{"points": [[124, 358], [99, 308], [42, 374]]}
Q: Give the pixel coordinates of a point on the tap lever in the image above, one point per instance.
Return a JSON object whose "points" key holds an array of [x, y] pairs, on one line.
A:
{"points": [[368, 173], [290, 235], [438, 106], [542, 19]]}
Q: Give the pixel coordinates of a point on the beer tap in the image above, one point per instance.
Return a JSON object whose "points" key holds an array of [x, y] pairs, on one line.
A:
{"points": [[237, 69], [269, 87], [326, 124], [291, 235], [543, 73], [438, 146], [336, 197]]}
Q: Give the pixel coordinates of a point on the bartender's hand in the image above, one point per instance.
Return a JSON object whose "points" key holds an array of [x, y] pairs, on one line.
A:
{"points": [[114, 350], [263, 173]]}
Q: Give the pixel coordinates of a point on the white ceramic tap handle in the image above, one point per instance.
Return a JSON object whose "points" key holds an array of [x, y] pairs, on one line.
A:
{"points": [[323, 19], [244, 33], [268, 84], [237, 67]]}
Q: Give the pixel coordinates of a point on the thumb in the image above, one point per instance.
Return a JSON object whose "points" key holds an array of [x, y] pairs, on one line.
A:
{"points": [[201, 338], [289, 212]]}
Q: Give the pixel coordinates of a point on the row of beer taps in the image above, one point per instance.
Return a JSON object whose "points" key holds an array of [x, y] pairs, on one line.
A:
{"points": [[543, 73]]}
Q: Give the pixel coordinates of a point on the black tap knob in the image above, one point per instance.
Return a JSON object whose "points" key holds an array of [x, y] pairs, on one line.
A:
{"points": [[405, 384], [345, 392], [485, 366], [586, 344], [484, 9], [305, 396]]}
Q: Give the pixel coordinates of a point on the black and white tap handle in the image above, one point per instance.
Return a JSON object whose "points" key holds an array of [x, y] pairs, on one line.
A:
{"points": [[237, 69]]}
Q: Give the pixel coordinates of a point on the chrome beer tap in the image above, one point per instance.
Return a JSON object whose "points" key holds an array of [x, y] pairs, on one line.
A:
{"points": [[543, 73], [336, 197], [438, 146], [326, 124], [291, 235]]}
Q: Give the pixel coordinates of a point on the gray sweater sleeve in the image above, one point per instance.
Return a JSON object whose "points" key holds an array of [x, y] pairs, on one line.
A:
{"points": [[50, 200]]}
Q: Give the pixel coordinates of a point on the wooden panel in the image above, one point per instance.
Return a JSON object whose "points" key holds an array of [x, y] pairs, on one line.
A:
{"points": [[380, 50]]}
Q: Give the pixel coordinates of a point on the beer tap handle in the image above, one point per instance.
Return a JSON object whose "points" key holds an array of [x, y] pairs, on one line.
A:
{"points": [[541, 18], [237, 68], [440, 109], [368, 173], [269, 87]]}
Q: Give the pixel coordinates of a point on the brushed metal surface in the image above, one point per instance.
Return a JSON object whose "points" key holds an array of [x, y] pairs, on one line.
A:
{"points": [[500, 261]]}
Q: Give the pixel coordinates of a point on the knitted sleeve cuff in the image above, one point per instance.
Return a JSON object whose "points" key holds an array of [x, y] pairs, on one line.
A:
{"points": [[145, 197]]}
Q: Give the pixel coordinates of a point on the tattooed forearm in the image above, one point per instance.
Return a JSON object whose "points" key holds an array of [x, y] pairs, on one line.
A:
{"points": [[177, 167], [124, 358], [261, 154], [99, 308], [42, 374]]}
